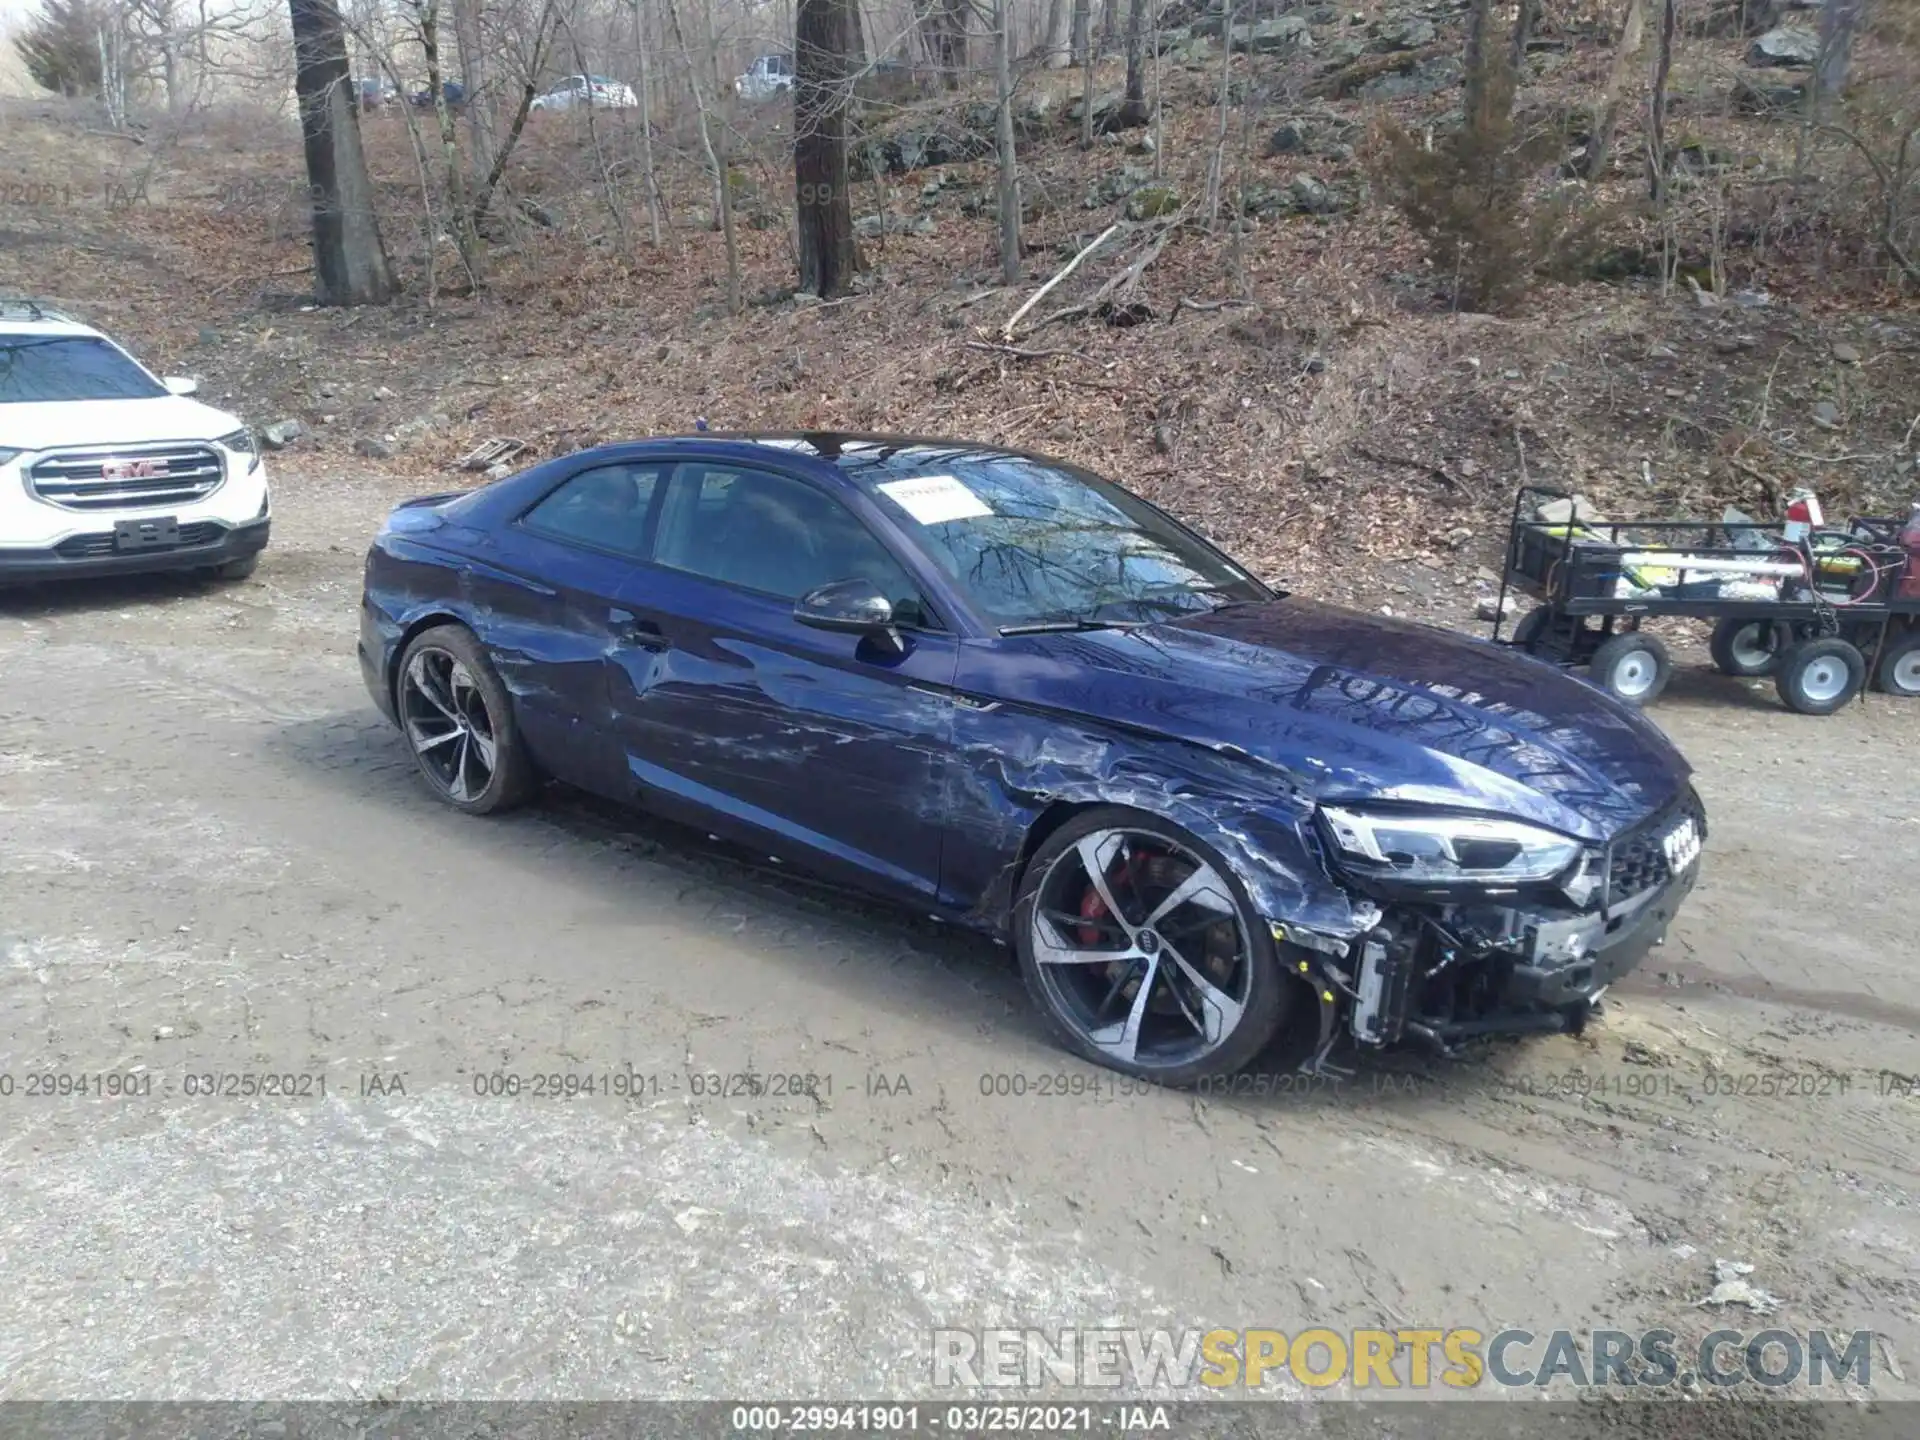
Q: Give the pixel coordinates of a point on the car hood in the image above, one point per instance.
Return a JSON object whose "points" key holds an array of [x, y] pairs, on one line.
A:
{"points": [[43, 425], [1358, 707]]}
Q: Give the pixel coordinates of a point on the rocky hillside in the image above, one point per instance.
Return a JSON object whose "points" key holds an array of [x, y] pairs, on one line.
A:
{"points": [[1291, 372]]}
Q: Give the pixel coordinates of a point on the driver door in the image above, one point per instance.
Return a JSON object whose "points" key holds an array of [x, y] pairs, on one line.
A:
{"points": [[815, 745]]}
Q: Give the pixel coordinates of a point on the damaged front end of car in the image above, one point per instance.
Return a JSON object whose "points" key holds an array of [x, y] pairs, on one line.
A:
{"points": [[1478, 927]]}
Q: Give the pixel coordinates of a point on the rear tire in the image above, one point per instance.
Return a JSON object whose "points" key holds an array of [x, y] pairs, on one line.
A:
{"points": [[1746, 648], [1219, 967], [1632, 667], [1818, 677], [1899, 670], [458, 721]]}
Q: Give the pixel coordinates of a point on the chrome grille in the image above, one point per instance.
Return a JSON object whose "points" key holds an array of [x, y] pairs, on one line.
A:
{"points": [[135, 478]]}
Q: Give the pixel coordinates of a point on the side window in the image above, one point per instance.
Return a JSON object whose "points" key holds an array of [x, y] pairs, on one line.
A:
{"points": [[776, 535], [606, 507]]}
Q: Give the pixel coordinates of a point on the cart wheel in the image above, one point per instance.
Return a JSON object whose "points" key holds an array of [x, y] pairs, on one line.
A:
{"points": [[1532, 626], [1632, 667], [1899, 672], [1817, 677], [1748, 647]]}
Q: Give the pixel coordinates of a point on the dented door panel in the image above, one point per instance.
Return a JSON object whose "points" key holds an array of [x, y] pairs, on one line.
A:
{"points": [[811, 743]]}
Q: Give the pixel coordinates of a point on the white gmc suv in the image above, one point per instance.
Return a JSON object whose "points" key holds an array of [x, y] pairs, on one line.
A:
{"points": [[105, 469]]}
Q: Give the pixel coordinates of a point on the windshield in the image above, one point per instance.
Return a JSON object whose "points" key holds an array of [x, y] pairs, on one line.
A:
{"points": [[1032, 543], [69, 367]]}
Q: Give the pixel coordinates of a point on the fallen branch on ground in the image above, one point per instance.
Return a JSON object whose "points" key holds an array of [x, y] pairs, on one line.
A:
{"points": [[1058, 276], [1187, 302], [1119, 285], [1021, 354]]}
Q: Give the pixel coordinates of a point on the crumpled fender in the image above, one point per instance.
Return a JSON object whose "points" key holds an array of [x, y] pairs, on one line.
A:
{"points": [[1253, 813]]}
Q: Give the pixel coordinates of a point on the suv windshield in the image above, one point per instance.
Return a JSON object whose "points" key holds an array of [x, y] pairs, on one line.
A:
{"points": [[69, 367], [1042, 544]]}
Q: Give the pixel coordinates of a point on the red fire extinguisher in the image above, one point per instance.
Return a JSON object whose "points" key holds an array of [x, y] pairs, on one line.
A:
{"points": [[1803, 514], [1910, 538]]}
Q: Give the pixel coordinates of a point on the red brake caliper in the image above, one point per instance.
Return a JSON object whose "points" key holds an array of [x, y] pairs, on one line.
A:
{"points": [[1092, 907]]}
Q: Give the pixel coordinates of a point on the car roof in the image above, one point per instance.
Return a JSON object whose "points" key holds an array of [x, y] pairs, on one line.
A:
{"points": [[864, 460], [15, 324]]}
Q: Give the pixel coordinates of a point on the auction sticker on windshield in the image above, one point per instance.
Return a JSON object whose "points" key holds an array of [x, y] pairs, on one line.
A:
{"points": [[935, 499]]}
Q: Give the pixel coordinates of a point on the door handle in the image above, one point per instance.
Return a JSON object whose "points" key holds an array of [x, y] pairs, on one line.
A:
{"points": [[632, 630]]}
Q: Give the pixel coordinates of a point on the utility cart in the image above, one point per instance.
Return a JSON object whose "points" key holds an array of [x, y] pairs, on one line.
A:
{"points": [[1821, 609]]}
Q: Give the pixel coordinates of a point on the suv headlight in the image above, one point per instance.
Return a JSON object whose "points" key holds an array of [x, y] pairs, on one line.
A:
{"points": [[241, 442], [7, 457], [1448, 849]]}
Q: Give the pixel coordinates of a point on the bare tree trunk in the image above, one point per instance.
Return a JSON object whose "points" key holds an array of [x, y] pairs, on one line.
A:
{"points": [[1056, 51], [1133, 108], [113, 80], [1839, 19], [1159, 108], [1217, 162], [647, 175], [1606, 120], [947, 31], [491, 180], [609, 190], [466, 237], [1003, 130], [1657, 127], [821, 90], [170, 73], [702, 76], [1109, 25], [473, 82], [1083, 41], [1479, 37], [349, 261], [1523, 24]]}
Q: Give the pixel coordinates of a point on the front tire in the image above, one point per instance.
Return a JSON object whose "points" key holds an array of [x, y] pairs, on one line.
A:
{"points": [[1144, 952], [458, 721], [241, 569]]}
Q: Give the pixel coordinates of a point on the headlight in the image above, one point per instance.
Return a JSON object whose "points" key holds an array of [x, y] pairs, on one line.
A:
{"points": [[1449, 849], [7, 457], [241, 442]]}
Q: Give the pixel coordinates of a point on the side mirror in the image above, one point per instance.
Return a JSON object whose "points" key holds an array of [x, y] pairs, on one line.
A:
{"points": [[180, 384], [853, 607]]}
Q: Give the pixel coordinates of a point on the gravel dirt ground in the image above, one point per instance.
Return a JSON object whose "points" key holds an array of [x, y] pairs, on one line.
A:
{"points": [[215, 860]]}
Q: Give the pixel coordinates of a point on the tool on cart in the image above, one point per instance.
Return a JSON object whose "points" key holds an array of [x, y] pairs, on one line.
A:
{"points": [[1821, 609]]}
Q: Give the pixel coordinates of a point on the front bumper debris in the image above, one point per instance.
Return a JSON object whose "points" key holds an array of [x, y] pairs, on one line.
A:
{"points": [[1442, 975]]}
